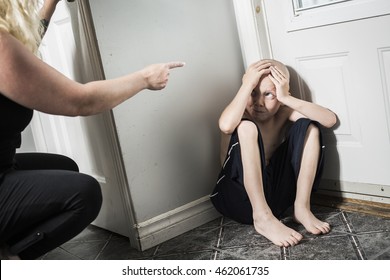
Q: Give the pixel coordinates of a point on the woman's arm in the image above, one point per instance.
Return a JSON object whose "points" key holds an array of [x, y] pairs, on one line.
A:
{"points": [[232, 115], [301, 108], [48, 8], [27, 80], [46, 12]]}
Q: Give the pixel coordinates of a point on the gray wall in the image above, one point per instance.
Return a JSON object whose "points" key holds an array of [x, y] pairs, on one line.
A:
{"points": [[28, 144], [170, 139]]}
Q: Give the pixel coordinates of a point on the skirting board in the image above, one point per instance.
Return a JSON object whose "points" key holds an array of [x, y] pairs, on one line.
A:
{"points": [[352, 205], [361, 191], [175, 222]]}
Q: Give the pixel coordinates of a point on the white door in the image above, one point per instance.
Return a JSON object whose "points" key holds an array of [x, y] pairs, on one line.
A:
{"points": [[90, 141], [340, 51]]}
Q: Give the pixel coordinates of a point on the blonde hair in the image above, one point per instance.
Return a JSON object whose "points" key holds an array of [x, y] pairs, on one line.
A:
{"points": [[20, 18]]}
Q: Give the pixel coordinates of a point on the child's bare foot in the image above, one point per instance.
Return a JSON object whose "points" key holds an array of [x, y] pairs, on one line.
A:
{"points": [[313, 225], [275, 231]]}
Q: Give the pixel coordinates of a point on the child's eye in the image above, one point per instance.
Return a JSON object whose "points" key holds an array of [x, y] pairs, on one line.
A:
{"points": [[269, 95]]}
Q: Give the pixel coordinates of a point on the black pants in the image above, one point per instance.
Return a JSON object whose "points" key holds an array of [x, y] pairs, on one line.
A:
{"points": [[279, 176], [44, 202]]}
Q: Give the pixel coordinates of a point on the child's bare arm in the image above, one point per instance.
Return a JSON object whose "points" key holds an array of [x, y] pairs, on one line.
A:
{"points": [[301, 108], [232, 115]]}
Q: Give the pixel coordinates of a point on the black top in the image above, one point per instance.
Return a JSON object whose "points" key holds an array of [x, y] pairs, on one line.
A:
{"points": [[13, 120]]}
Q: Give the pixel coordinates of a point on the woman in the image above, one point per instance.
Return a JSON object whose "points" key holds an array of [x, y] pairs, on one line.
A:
{"points": [[44, 201]]}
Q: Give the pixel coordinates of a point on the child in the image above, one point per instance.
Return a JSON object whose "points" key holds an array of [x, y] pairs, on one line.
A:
{"points": [[274, 156]]}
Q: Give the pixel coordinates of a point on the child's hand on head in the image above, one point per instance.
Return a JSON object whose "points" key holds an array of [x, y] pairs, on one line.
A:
{"points": [[281, 83], [254, 72]]}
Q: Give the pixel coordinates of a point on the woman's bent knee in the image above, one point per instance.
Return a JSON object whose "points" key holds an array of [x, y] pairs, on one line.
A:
{"points": [[90, 194]]}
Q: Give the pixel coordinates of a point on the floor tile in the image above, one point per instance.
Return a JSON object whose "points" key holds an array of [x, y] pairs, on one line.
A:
{"points": [[59, 254], [118, 248], [323, 248], [376, 246], [367, 223], [260, 252], [241, 235], [199, 239], [201, 255], [85, 250]]}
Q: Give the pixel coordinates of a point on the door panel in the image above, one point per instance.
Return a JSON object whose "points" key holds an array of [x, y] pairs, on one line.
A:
{"points": [[343, 65]]}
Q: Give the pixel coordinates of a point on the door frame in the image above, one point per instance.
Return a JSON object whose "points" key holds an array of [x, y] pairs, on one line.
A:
{"points": [[252, 30]]}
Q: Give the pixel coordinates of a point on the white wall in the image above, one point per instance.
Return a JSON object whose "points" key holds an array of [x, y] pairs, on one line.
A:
{"points": [[28, 143], [170, 139]]}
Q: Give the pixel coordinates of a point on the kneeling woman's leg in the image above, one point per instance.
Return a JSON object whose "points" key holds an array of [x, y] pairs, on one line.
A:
{"points": [[42, 209], [36, 161]]}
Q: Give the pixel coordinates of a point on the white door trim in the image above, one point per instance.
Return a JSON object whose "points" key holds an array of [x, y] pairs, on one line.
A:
{"points": [[252, 30], [334, 13]]}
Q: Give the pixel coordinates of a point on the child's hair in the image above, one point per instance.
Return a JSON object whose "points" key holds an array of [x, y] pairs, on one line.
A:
{"points": [[20, 18], [280, 66]]}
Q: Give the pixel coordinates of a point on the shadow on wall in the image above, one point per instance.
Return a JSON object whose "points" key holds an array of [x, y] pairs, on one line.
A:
{"points": [[300, 89]]}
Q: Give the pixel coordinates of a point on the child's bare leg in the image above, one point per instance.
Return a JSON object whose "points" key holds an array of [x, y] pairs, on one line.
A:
{"points": [[310, 157], [264, 221]]}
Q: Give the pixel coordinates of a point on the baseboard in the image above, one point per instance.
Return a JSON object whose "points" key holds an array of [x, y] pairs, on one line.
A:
{"points": [[352, 205], [364, 198], [359, 191], [173, 223]]}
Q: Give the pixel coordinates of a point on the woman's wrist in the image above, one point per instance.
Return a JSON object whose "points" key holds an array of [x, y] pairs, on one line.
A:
{"points": [[48, 9]]}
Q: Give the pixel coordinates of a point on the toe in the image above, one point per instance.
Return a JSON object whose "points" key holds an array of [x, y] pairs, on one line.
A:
{"points": [[297, 236], [326, 227]]}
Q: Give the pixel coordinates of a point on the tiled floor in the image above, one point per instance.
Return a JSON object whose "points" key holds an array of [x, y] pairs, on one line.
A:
{"points": [[353, 236]]}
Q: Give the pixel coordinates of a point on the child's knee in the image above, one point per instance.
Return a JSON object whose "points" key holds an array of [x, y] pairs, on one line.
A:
{"points": [[247, 129]]}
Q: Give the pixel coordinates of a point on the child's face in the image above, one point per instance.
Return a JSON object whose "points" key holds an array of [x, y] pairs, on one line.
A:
{"points": [[263, 104]]}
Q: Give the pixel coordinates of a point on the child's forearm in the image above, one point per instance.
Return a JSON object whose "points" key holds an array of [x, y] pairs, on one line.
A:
{"points": [[232, 115], [311, 110]]}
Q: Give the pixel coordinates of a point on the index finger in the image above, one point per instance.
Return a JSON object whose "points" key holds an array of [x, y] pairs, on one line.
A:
{"points": [[175, 64]]}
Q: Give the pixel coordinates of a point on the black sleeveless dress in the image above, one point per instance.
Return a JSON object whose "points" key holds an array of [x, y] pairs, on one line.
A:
{"points": [[14, 118]]}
